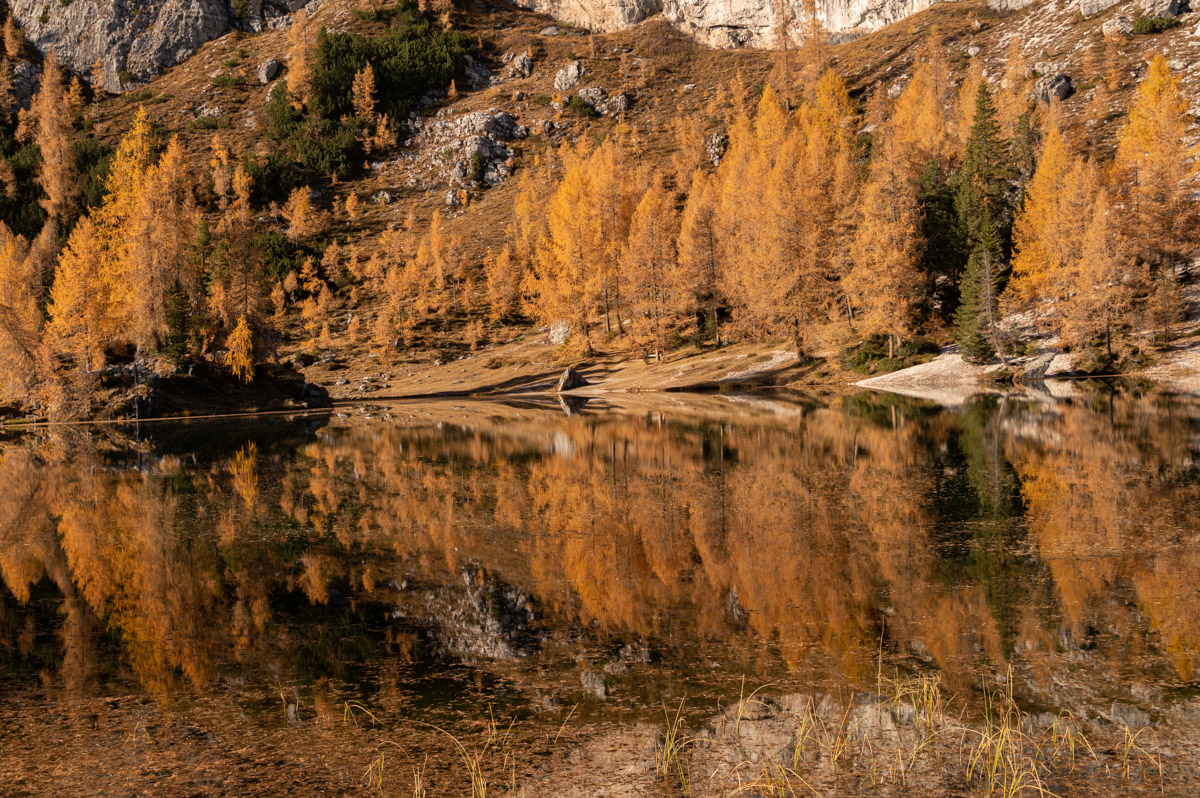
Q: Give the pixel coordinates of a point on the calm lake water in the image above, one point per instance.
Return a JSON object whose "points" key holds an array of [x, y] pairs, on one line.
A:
{"points": [[369, 602]]}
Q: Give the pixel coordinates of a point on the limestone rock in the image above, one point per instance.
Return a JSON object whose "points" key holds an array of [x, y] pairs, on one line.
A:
{"points": [[1118, 27], [569, 76], [715, 147], [614, 105], [592, 95], [268, 70], [1048, 88], [477, 74], [1166, 8], [1090, 8], [1009, 5], [469, 150], [570, 380], [134, 41], [518, 66], [26, 78]]}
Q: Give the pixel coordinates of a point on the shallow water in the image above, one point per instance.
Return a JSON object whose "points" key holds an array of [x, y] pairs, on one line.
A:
{"points": [[317, 605]]}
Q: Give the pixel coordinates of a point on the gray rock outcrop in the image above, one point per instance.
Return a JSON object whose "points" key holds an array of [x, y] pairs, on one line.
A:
{"points": [[569, 76], [1058, 86], [26, 78], [127, 41], [1090, 8], [470, 149], [518, 65]]}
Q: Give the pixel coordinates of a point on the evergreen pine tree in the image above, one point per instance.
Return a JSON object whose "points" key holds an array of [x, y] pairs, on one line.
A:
{"points": [[975, 319], [981, 188]]}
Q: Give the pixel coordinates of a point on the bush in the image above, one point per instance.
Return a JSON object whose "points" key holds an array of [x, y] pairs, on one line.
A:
{"points": [[227, 81], [210, 123], [577, 105], [323, 145], [1144, 26]]}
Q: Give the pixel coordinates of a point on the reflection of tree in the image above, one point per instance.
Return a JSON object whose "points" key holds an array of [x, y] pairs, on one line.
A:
{"points": [[799, 544]]}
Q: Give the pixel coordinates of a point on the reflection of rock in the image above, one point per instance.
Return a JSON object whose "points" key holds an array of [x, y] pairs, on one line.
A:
{"points": [[1129, 716], [490, 621], [594, 684], [572, 405]]}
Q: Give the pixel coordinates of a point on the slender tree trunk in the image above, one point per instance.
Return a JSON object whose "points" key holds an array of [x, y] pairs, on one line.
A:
{"points": [[991, 307]]}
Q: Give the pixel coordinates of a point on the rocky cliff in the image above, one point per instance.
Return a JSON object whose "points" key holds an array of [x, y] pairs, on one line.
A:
{"points": [[733, 23], [117, 44]]}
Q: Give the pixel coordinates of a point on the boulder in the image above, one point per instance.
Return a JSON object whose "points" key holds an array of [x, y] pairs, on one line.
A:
{"points": [[613, 105], [519, 66], [570, 380], [592, 95], [715, 147], [1058, 86], [1167, 8], [268, 70], [569, 76]]}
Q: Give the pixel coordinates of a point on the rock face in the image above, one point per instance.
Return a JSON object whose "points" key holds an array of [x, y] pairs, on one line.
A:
{"points": [[597, 15], [731, 23], [1089, 8], [127, 40]]}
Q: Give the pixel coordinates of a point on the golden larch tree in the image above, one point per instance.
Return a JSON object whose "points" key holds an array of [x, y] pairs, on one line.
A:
{"points": [[649, 265], [1153, 166]]}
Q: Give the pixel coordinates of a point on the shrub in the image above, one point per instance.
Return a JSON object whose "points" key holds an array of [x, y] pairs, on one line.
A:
{"points": [[577, 105], [224, 81], [210, 123], [1144, 26]]}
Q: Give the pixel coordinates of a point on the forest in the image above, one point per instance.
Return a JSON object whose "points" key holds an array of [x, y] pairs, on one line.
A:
{"points": [[831, 220]]}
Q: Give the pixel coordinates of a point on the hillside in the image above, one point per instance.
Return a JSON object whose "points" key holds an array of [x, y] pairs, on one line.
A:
{"points": [[662, 93]]}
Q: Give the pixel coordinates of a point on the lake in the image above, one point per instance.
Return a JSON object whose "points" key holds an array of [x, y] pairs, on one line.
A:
{"points": [[708, 595]]}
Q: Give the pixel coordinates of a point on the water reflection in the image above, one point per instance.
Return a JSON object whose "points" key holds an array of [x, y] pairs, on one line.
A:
{"points": [[610, 558]]}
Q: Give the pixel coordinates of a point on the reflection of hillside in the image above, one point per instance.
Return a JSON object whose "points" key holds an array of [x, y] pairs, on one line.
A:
{"points": [[961, 541]]}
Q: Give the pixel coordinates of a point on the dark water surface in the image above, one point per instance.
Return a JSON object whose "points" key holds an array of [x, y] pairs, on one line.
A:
{"points": [[317, 605]]}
